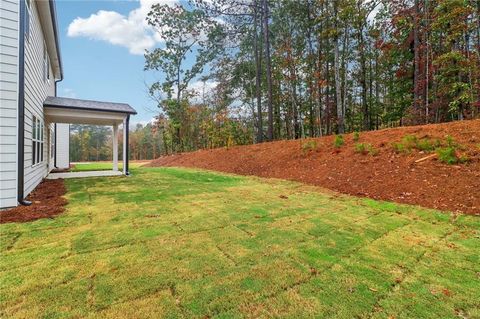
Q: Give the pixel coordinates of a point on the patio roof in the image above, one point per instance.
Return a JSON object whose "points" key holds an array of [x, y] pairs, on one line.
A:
{"points": [[76, 111], [89, 105]]}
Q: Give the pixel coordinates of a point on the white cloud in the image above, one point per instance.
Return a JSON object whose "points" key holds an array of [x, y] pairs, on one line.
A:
{"points": [[200, 86], [373, 15], [69, 93], [133, 125], [131, 32]]}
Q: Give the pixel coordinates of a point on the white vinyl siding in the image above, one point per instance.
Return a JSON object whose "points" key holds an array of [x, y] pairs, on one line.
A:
{"points": [[36, 90], [9, 36], [46, 64], [27, 19]]}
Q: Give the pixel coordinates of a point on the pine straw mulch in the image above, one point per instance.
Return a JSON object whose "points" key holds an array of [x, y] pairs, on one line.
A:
{"points": [[387, 176], [47, 202]]}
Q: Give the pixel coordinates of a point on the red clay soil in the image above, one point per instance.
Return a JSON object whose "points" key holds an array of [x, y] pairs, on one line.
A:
{"points": [[47, 202], [387, 176]]}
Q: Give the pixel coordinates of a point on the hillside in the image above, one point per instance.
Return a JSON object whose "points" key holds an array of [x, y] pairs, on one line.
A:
{"points": [[391, 174]]}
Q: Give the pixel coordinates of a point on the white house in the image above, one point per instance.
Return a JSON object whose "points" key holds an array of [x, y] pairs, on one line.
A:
{"points": [[33, 120]]}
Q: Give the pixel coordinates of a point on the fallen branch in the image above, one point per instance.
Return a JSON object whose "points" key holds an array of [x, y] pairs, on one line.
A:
{"points": [[425, 158]]}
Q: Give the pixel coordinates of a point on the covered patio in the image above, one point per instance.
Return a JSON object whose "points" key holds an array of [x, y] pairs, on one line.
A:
{"points": [[76, 111], [64, 175]]}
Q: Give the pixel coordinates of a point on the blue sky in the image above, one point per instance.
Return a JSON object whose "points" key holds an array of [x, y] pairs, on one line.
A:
{"points": [[102, 53]]}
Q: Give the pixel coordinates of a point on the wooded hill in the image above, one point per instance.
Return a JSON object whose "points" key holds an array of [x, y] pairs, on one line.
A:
{"points": [[288, 69], [237, 72]]}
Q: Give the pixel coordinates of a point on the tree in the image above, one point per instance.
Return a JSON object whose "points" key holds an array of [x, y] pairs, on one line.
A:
{"points": [[258, 73], [315, 67], [268, 63], [338, 85], [184, 31]]}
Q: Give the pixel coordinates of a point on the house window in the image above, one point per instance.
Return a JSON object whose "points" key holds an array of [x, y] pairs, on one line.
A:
{"points": [[46, 64], [37, 141], [27, 19]]}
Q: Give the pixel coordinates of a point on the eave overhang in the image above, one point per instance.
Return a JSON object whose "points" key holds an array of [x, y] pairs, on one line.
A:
{"points": [[76, 111], [48, 21]]}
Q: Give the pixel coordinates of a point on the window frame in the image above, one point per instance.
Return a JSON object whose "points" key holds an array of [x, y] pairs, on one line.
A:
{"points": [[38, 141]]}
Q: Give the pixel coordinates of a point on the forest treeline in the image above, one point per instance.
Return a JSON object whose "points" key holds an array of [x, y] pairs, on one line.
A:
{"points": [[94, 143], [288, 69]]}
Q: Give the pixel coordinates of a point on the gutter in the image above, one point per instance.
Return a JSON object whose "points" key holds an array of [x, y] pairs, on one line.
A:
{"points": [[21, 109], [53, 14]]}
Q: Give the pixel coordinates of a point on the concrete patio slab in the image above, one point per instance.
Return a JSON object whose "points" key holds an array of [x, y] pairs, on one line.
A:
{"points": [[84, 174]]}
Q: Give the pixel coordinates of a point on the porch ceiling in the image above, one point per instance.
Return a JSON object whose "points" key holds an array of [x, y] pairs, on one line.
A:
{"points": [[75, 111]]}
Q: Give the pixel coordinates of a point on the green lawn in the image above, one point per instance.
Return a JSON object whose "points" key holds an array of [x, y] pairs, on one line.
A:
{"points": [[101, 166], [94, 166], [178, 243]]}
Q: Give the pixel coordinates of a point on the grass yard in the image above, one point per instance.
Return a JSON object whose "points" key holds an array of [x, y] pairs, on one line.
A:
{"points": [[94, 166], [180, 243], [102, 166]]}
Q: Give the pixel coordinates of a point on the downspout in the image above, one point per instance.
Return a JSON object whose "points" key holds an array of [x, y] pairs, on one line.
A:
{"points": [[127, 129], [21, 109], [56, 81], [53, 14]]}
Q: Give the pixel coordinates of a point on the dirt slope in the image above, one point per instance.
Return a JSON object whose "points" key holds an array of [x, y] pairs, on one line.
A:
{"points": [[387, 176]]}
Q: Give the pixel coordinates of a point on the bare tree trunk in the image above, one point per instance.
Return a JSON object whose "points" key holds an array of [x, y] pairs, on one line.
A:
{"points": [[293, 86], [427, 62], [377, 91], [328, 106], [345, 70], [338, 85], [319, 92], [310, 78], [154, 145], [478, 24], [363, 80], [416, 51], [258, 70], [318, 78], [269, 70], [177, 130], [370, 90], [478, 50], [328, 127]]}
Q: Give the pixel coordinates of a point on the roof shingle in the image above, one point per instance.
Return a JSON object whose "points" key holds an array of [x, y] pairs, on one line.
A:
{"points": [[88, 105]]}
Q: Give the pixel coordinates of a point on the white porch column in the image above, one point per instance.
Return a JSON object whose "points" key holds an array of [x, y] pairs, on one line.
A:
{"points": [[115, 147], [48, 146], [125, 146]]}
